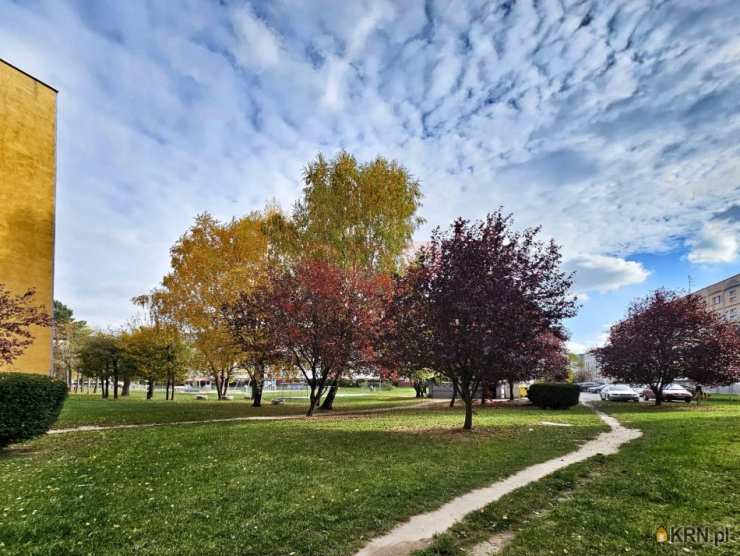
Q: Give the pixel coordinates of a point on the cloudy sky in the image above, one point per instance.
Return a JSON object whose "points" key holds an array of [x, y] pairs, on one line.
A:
{"points": [[613, 124]]}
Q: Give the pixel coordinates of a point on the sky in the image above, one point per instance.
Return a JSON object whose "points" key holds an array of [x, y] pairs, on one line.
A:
{"points": [[613, 125]]}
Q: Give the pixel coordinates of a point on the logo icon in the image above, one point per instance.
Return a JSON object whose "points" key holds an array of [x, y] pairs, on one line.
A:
{"points": [[661, 535]]}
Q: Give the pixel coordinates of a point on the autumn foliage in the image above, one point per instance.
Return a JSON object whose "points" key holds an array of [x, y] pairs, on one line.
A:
{"points": [[666, 336], [479, 301], [17, 317], [322, 319]]}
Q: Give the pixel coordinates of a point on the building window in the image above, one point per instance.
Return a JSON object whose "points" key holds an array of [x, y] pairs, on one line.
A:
{"points": [[717, 299]]}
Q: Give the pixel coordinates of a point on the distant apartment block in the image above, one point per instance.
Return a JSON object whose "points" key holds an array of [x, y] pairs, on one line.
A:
{"points": [[724, 297], [27, 193]]}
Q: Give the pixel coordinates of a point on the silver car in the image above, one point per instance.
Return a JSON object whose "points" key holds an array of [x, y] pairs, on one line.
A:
{"points": [[619, 392]]}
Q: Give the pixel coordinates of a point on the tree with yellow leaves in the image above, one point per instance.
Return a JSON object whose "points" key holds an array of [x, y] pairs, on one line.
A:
{"points": [[212, 263]]}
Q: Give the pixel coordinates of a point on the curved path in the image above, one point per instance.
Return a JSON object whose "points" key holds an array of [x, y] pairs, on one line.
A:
{"points": [[417, 533], [348, 413]]}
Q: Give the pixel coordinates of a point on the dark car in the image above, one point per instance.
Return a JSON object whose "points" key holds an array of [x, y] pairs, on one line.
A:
{"points": [[584, 386], [671, 393]]}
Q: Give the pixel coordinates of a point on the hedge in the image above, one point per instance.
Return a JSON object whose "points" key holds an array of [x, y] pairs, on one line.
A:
{"points": [[554, 395], [29, 405]]}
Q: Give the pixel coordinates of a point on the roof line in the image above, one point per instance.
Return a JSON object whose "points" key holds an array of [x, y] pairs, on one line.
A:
{"points": [[4, 61]]}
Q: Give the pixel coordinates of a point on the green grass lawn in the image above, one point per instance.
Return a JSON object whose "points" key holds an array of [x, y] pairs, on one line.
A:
{"points": [[84, 409], [318, 487], [684, 471]]}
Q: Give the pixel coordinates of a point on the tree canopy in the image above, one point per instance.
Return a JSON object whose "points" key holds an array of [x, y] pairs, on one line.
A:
{"points": [[211, 265], [476, 296], [666, 336], [358, 216]]}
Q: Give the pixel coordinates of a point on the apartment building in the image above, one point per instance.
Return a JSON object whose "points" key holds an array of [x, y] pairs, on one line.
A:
{"points": [[27, 193], [724, 297]]}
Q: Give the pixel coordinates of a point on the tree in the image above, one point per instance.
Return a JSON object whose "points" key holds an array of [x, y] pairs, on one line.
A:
{"points": [[475, 296], [326, 321], [249, 324], [158, 354], [543, 356], [355, 216], [666, 336], [104, 357], [69, 334], [211, 265], [17, 317]]}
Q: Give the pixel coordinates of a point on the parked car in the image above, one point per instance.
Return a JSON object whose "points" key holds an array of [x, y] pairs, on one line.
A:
{"points": [[596, 389], [619, 392], [584, 386], [671, 393]]}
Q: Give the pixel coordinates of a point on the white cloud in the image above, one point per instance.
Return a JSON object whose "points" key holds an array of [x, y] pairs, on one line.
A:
{"points": [[716, 242], [576, 347], [618, 137], [258, 48], [602, 273], [338, 65]]}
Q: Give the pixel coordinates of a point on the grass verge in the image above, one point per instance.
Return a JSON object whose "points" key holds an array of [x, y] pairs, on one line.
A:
{"points": [[682, 473], [84, 409], [301, 487]]}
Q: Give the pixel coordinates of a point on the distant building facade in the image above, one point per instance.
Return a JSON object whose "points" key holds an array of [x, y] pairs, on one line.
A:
{"points": [[723, 297], [27, 200]]}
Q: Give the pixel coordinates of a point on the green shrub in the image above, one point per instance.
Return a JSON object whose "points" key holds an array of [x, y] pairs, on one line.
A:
{"points": [[29, 405], [554, 395]]}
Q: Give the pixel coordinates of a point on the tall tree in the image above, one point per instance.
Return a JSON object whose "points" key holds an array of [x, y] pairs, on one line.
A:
{"points": [[211, 265], [666, 336], [326, 320], [358, 216], [476, 295], [18, 316]]}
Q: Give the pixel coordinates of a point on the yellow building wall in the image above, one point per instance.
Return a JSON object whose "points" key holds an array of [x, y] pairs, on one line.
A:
{"points": [[27, 192]]}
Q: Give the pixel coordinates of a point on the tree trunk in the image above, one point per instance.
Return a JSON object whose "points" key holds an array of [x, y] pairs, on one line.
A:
{"points": [[329, 399], [312, 401], [225, 384], [482, 394], [172, 392], [454, 394], [115, 385], [126, 386], [257, 386], [468, 425], [511, 389], [149, 388], [659, 397]]}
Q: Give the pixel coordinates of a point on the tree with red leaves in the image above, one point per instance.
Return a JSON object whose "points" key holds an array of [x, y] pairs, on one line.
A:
{"points": [[249, 324], [17, 316], [666, 336], [475, 296], [326, 320], [541, 357]]}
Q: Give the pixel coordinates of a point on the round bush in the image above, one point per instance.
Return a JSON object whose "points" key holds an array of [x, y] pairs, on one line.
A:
{"points": [[554, 395], [29, 405]]}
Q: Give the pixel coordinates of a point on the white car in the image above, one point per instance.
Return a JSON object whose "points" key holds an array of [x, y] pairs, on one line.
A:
{"points": [[619, 392]]}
